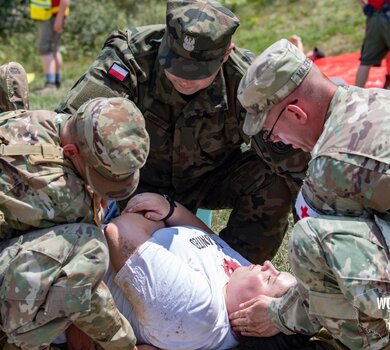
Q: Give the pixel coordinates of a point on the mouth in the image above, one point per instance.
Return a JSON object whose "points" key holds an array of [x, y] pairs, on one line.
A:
{"points": [[251, 267]]}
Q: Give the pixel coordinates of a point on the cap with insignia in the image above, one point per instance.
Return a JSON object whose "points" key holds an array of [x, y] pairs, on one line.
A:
{"points": [[198, 35]]}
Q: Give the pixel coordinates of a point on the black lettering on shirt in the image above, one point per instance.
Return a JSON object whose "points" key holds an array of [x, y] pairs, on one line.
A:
{"points": [[202, 241]]}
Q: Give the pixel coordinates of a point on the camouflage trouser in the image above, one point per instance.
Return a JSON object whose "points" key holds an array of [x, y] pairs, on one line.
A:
{"points": [[13, 87], [50, 278], [261, 202], [342, 266]]}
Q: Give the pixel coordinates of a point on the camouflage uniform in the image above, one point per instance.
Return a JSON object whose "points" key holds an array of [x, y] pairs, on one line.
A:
{"points": [[53, 255], [13, 87], [342, 265], [341, 262], [351, 156], [196, 140]]}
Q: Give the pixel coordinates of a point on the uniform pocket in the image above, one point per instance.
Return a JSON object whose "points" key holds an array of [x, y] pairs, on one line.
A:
{"points": [[28, 278], [331, 305]]}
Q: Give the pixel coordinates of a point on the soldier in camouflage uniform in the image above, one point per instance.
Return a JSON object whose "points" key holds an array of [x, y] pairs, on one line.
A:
{"points": [[53, 255], [183, 76], [342, 268], [13, 87], [348, 176]]}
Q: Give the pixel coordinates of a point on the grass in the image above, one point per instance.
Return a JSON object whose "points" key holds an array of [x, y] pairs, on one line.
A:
{"points": [[334, 26]]}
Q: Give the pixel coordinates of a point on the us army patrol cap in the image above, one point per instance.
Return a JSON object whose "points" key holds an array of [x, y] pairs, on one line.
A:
{"points": [[13, 87], [272, 76], [198, 34], [114, 144]]}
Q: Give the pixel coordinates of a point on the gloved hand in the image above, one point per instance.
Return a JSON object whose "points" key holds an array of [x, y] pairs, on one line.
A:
{"points": [[368, 10]]}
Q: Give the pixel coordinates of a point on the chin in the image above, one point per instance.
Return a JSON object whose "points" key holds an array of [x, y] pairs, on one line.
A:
{"points": [[187, 92]]}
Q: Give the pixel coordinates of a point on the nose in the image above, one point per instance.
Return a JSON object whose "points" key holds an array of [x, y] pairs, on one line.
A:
{"points": [[268, 266]]}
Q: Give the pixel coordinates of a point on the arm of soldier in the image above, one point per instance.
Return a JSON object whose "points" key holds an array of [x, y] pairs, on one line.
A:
{"points": [[253, 319], [265, 316], [156, 207], [104, 77], [333, 186], [125, 234], [59, 21]]}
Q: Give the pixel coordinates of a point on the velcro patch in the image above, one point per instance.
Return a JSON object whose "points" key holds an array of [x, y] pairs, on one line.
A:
{"points": [[118, 72]]}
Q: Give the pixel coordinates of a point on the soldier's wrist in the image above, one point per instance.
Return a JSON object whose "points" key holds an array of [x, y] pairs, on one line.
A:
{"points": [[172, 206]]}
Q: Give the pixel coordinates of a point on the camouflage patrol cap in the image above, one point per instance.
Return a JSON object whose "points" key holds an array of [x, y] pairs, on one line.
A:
{"points": [[272, 76], [13, 87], [114, 143], [197, 37]]}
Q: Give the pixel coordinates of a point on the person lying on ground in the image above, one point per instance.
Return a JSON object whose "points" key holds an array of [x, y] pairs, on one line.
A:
{"points": [[176, 285]]}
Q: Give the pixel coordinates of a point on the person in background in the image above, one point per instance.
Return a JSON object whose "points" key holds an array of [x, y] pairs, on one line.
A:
{"points": [[51, 15], [314, 54], [376, 43]]}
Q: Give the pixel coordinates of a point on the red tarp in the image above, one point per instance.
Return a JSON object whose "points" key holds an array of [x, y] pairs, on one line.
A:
{"points": [[344, 67]]}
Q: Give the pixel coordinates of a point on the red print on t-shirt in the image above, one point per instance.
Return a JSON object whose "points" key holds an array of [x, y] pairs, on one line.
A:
{"points": [[229, 266]]}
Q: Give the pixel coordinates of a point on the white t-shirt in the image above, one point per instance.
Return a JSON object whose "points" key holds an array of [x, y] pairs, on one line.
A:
{"points": [[174, 283]]}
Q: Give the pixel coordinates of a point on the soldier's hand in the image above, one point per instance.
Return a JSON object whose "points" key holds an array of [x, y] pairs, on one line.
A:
{"points": [[153, 206], [252, 319]]}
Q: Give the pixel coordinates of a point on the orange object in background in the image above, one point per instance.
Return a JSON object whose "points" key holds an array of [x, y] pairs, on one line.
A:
{"points": [[344, 67]]}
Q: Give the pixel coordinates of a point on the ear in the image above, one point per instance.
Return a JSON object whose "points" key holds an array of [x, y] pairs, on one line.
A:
{"points": [[71, 150], [229, 50], [297, 113]]}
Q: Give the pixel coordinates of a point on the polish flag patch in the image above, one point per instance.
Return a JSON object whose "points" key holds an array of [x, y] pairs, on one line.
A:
{"points": [[118, 72], [303, 209]]}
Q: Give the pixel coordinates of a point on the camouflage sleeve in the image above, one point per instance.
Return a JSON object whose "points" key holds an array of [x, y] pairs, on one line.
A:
{"points": [[334, 186], [290, 314], [110, 75], [341, 266]]}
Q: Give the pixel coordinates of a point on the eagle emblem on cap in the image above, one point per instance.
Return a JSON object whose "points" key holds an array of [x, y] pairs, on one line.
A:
{"points": [[189, 43]]}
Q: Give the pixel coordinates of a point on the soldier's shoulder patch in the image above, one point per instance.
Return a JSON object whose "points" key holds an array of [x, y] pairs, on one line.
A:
{"points": [[118, 72]]}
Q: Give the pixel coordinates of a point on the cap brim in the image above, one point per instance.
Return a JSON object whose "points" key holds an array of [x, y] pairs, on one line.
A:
{"points": [[111, 189], [185, 68], [253, 124]]}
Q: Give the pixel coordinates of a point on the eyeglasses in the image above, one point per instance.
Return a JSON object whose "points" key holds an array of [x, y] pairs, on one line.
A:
{"points": [[267, 134]]}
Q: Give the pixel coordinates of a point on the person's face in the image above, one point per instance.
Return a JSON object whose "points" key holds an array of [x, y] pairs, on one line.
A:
{"points": [[189, 87], [288, 125], [261, 280]]}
